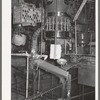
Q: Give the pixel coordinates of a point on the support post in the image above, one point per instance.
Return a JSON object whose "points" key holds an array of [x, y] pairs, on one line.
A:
{"points": [[39, 81], [27, 77], [75, 38]]}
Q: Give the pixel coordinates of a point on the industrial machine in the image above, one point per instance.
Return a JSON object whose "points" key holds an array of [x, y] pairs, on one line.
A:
{"points": [[54, 36]]}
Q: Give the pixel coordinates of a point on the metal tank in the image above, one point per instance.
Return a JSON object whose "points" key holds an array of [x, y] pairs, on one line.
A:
{"points": [[58, 23]]}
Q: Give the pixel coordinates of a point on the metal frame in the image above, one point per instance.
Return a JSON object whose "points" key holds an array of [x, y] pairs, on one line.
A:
{"points": [[27, 72], [45, 66]]}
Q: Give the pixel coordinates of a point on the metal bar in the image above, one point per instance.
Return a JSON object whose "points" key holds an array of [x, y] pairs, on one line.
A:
{"points": [[33, 85], [22, 74], [27, 77], [81, 95], [21, 54], [17, 83], [35, 76], [75, 37], [17, 69], [16, 87], [74, 79], [56, 31], [56, 22], [52, 84], [82, 92], [79, 10], [39, 81], [81, 54], [42, 93], [90, 44], [17, 92], [42, 24], [34, 82], [65, 45]]}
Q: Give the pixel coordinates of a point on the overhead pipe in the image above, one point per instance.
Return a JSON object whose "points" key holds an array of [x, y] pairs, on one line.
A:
{"points": [[79, 10]]}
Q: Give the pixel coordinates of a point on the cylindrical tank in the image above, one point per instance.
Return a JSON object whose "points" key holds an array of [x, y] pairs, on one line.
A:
{"points": [[58, 21]]}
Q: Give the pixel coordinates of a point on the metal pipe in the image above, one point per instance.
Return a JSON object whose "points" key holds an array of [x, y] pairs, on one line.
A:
{"points": [[65, 46], [17, 83], [27, 77], [16, 87], [21, 54], [42, 93], [74, 79], [42, 24], [56, 31], [64, 90], [81, 95], [52, 84], [90, 43], [75, 37], [56, 22], [82, 92], [34, 83], [79, 10], [82, 55], [39, 80]]}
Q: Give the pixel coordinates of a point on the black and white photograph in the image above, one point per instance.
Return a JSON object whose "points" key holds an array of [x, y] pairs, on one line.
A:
{"points": [[53, 50]]}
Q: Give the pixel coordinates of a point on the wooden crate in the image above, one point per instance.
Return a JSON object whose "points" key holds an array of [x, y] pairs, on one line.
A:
{"points": [[26, 15]]}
